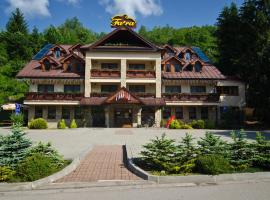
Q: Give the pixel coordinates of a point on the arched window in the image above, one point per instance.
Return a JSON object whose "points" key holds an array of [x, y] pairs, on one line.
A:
{"points": [[47, 65], [198, 67]]}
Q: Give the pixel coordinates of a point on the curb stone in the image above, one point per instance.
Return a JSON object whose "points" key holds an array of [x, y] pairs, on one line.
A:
{"points": [[194, 179], [4, 187]]}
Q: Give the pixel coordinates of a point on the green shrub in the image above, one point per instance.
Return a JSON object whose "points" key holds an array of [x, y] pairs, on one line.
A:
{"points": [[13, 147], [209, 124], [262, 152], [17, 118], [188, 167], [62, 124], [186, 150], [163, 123], [175, 124], [186, 126], [6, 173], [48, 151], [198, 124], [38, 123], [36, 167], [73, 124], [212, 164]]}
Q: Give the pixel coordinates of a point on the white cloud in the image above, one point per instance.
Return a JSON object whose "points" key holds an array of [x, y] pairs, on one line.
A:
{"points": [[133, 7], [72, 2], [30, 8]]}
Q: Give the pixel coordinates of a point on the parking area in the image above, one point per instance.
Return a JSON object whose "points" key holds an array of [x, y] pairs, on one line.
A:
{"points": [[71, 142]]}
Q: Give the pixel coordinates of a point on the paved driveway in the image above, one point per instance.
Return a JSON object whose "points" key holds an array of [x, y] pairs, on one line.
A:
{"points": [[71, 142]]}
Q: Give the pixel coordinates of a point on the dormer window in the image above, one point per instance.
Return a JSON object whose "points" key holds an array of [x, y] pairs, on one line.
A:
{"points": [[198, 67], [177, 67], [47, 65], [187, 56], [69, 67], [57, 53], [189, 68], [168, 68]]}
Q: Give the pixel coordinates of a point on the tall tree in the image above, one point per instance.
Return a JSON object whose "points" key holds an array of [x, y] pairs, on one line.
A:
{"points": [[17, 23]]}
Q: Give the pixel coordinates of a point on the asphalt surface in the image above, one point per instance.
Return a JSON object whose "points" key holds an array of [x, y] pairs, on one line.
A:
{"points": [[240, 191]]}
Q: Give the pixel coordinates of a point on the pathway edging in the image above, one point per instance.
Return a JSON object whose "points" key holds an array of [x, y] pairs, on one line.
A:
{"points": [[194, 179]]}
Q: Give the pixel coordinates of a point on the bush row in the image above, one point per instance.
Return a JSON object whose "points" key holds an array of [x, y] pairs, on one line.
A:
{"points": [[196, 124], [211, 154], [41, 123]]}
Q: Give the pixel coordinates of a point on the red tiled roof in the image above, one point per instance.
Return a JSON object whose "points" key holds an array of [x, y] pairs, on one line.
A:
{"points": [[208, 72], [33, 70]]}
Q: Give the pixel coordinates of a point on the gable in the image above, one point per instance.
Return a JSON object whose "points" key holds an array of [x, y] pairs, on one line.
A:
{"points": [[123, 38], [122, 96]]}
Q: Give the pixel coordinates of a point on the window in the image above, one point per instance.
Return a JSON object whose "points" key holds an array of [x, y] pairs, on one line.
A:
{"points": [[204, 112], [79, 67], [57, 53], [198, 89], [166, 114], [47, 65], [192, 112], [38, 112], [110, 66], [42, 88], [51, 112], [173, 89], [137, 88], [78, 113], [198, 67], [187, 56], [65, 113], [69, 67], [188, 68], [136, 66], [179, 113], [177, 67], [108, 88], [228, 90], [168, 68], [72, 88]]}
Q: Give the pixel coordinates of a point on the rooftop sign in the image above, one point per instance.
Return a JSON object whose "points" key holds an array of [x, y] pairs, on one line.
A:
{"points": [[123, 20]]}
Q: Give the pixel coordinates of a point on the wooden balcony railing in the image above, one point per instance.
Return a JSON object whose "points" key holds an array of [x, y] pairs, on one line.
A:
{"points": [[105, 73], [100, 94], [53, 96], [141, 74], [213, 97], [145, 95]]}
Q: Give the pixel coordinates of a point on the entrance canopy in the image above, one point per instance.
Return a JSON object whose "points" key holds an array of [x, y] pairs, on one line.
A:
{"points": [[122, 96]]}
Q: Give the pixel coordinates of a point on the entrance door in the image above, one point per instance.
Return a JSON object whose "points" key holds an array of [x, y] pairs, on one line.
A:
{"points": [[148, 116], [123, 117], [98, 116]]}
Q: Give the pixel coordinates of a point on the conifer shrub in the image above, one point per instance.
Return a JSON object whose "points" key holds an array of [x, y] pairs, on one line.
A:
{"points": [[212, 164], [17, 118], [6, 173], [38, 123], [175, 124], [62, 124], [13, 147], [262, 152], [186, 126], [73, 124]]}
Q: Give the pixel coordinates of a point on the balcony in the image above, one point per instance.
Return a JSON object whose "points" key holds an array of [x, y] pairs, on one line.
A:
{"points": [[54, 96], [141, 74], [213, 97], [145, 95], [105, 73], [100, 94]]}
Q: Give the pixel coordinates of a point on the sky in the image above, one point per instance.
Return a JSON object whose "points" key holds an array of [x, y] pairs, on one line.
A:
{"points": [[96, 14]]}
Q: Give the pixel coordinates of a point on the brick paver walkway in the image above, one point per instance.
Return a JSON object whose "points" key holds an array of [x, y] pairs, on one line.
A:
{"points": [[102, 163]]}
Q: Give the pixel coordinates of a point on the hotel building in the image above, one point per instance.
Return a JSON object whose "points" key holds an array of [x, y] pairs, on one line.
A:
{"points": [[123, 80]]}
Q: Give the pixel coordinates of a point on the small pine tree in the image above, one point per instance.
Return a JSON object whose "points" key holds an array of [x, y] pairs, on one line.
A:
{"points": [[262, 152], [159, 153], [62, 124], [241, 151], [14, 147], [211, 144], [186, 149]]}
